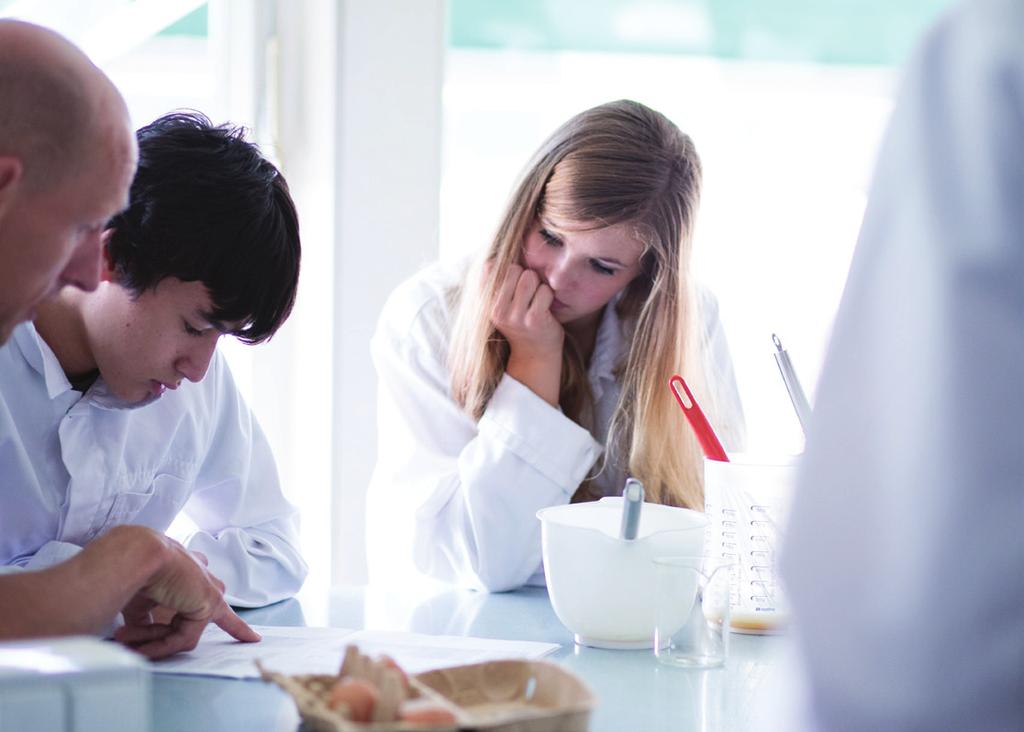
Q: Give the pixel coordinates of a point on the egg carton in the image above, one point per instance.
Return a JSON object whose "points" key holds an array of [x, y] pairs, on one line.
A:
{"points": [[497, 696]]}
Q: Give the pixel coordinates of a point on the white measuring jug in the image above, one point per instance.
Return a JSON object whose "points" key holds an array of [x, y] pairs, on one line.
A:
{"points": [[747, 503]]}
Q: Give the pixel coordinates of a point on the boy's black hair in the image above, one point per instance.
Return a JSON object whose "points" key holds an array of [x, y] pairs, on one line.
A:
{"points": [[206, 206]]}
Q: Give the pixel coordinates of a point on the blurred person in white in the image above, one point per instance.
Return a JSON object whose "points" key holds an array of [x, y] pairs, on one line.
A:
{"points": [[67, 156], [905, 559], [501, 383], [115, 405]]}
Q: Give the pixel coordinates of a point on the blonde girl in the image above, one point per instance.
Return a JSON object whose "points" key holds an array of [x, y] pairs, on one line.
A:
{"points": [[538, 375]]}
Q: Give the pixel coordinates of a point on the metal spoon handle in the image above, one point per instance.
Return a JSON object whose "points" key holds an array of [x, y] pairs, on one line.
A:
{"points": [[632, 500]]}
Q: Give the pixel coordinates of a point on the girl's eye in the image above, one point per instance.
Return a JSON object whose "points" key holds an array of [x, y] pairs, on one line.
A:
{"points": [[192, 331], [600, 268], [550, 238]]}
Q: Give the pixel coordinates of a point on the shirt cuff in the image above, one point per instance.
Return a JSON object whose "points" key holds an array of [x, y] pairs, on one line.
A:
{"points": [[539, 434]]}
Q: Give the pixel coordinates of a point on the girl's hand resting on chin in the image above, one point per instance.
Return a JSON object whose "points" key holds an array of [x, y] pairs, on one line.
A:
{"points": [[522, 313]]}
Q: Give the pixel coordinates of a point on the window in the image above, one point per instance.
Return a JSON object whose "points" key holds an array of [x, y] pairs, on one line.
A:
{"points": [[785, 101]]}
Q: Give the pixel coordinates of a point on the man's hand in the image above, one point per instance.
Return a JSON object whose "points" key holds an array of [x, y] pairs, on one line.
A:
{"points": [[184, 597], [131, 569], [164, 615], [522, 313]]}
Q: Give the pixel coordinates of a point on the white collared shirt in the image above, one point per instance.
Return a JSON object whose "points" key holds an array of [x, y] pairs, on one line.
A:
{"points": [[455, 499], [74, 465], [905, 554]]}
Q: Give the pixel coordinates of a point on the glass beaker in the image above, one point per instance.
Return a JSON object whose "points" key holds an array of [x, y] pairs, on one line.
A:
{"points": [[692, 608]]}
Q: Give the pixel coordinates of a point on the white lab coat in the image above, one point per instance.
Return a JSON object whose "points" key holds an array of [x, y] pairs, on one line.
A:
{"points": [[455, 499], [72, 466], [905, 558]]}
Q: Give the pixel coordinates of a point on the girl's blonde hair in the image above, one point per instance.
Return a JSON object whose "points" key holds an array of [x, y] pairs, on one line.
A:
{"points": [[620, 162]]}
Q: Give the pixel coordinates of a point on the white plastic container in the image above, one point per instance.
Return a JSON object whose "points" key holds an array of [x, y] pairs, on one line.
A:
{"points": [[74, 684], [602, 587], [747, 502]]}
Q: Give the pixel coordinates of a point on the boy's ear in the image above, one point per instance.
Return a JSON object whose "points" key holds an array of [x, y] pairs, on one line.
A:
{"points": [[107, 271], [10, 176]]}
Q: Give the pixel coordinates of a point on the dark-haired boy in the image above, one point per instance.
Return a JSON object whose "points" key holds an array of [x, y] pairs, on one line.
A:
{"points": [[105, 415]]}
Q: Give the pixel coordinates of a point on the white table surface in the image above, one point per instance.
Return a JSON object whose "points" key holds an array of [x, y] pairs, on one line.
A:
{"points": [[634, 692]]}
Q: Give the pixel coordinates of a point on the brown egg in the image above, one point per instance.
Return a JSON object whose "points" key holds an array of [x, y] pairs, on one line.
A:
{"points": [[354, 698], [426, 714]]}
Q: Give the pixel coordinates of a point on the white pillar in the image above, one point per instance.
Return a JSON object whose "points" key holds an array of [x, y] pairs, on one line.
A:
{"points": [[388, 158], [302, 79], [346, 96]]}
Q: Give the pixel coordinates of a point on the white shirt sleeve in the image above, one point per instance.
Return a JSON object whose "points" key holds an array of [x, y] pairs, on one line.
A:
{"points": [[51, 553], [247, 529], [905, 562], [454, 499]]}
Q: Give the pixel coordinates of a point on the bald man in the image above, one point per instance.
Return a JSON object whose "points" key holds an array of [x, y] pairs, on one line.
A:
{"points": [[67, 157]]}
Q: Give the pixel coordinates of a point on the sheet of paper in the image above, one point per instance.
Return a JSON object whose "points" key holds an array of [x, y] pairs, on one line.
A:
{"points": [[289, 650], [301, 650]]}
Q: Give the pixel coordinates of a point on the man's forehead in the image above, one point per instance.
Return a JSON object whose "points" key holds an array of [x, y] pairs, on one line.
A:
{"points": [[106, 183]]}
